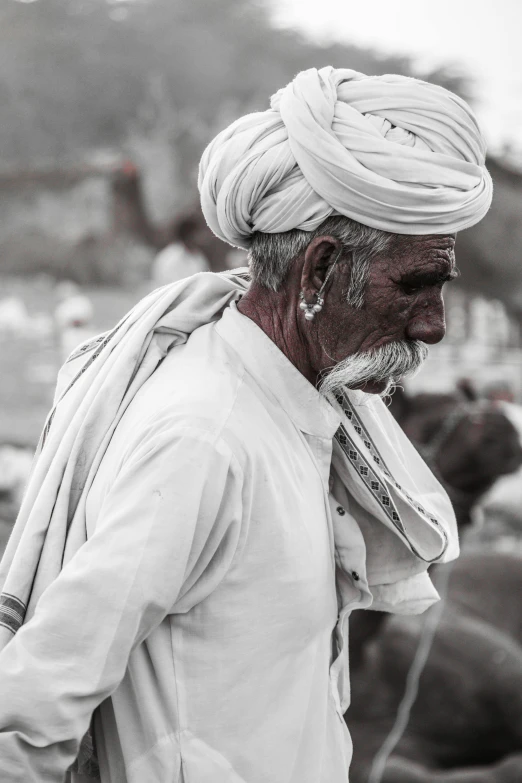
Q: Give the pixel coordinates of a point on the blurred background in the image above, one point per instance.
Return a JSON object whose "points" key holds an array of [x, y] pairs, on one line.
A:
{"points": [[106, 107]]}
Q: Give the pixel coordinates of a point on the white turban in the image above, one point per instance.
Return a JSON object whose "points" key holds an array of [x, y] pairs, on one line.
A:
{"points": [[391, 152]]}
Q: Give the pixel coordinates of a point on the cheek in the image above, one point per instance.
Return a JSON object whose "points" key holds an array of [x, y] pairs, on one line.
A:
{"points": [[390, 311], [346, 331]]}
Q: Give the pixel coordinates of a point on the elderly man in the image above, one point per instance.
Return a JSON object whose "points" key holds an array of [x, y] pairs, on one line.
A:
{"points": [[219, 484]]}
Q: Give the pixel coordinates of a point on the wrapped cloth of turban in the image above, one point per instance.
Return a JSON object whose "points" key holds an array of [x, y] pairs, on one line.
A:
{"points": [[391, 152]]}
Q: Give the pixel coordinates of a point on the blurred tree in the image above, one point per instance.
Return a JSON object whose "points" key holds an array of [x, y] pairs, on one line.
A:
{"points": [[76, 74], [69, 79]]}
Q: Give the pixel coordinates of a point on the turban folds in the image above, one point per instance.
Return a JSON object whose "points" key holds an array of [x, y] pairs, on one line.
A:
{"points": [[391, 152]]}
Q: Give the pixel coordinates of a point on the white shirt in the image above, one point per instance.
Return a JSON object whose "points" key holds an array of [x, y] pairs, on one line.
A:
{"points": [[201, 611]]}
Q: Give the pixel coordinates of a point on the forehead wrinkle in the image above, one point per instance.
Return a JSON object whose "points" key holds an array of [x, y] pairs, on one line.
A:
{"points": [[403, 241], [428, 257], [415, 255]]}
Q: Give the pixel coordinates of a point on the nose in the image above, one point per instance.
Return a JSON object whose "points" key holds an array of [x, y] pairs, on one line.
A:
{"points": [[428, 323]]}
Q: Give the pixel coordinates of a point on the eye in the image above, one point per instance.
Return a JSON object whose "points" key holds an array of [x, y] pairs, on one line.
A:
{"points": [[409, 289]]}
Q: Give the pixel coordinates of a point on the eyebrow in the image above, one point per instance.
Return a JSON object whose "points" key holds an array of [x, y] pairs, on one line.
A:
{"points": [[430, 278]]}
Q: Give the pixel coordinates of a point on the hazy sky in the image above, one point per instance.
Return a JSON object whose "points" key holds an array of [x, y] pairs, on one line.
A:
{"points": [[485, 36]]}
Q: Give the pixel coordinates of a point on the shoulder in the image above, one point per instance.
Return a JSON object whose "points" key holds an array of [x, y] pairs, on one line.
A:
{"points": [[192, 393]]}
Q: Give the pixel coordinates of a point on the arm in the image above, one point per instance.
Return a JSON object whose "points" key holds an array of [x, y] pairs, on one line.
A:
{"points": [[175, 500]]}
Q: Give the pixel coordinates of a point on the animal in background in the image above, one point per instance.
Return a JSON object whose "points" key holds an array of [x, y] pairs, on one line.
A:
{"points": [[465, 725], [468, 443]]}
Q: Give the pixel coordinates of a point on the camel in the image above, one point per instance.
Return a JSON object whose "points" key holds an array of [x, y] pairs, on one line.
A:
{"points": [[465, 725]]}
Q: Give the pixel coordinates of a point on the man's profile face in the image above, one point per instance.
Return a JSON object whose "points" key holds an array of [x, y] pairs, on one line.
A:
{"points": [[402, 303]]}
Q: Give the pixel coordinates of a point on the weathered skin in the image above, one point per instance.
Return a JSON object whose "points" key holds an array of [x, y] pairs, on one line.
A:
{"points": [[403, 300]]}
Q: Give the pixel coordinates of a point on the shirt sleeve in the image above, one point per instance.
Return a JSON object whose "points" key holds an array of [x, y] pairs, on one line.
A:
{"points": [[169, 525]]}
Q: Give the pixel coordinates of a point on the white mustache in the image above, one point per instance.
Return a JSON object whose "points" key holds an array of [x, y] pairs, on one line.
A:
{"points": [[388, 363]]}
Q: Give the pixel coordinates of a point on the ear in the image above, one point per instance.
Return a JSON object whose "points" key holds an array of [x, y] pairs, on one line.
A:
{"points": [[318, 257]]}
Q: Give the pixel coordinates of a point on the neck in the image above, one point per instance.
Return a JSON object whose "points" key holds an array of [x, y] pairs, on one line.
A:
{"points": [[276, 313]]}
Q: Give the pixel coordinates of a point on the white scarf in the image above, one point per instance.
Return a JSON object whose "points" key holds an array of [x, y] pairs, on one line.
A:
{"points": [[391, 152]]}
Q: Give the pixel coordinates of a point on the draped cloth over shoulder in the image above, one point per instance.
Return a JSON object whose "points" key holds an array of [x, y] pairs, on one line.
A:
{"points": [[96, 386], [391, 152]]}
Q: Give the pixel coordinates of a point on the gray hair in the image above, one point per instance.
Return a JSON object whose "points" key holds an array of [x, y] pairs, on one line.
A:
{"points": [[271, 255]]}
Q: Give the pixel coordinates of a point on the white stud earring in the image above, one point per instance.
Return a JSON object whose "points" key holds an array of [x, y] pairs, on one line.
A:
{"points": [[311, 309]]}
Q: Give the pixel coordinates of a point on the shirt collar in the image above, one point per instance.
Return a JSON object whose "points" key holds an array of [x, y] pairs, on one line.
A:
{"points": [[307, 408]]}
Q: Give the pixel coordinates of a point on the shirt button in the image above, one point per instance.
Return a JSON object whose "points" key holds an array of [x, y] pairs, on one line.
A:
{"points": [[341, 511], [355, 576]]}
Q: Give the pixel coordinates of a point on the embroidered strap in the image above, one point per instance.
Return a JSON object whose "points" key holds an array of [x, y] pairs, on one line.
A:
{"points": [[367, 469], [369, 476], [12, 612]]}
